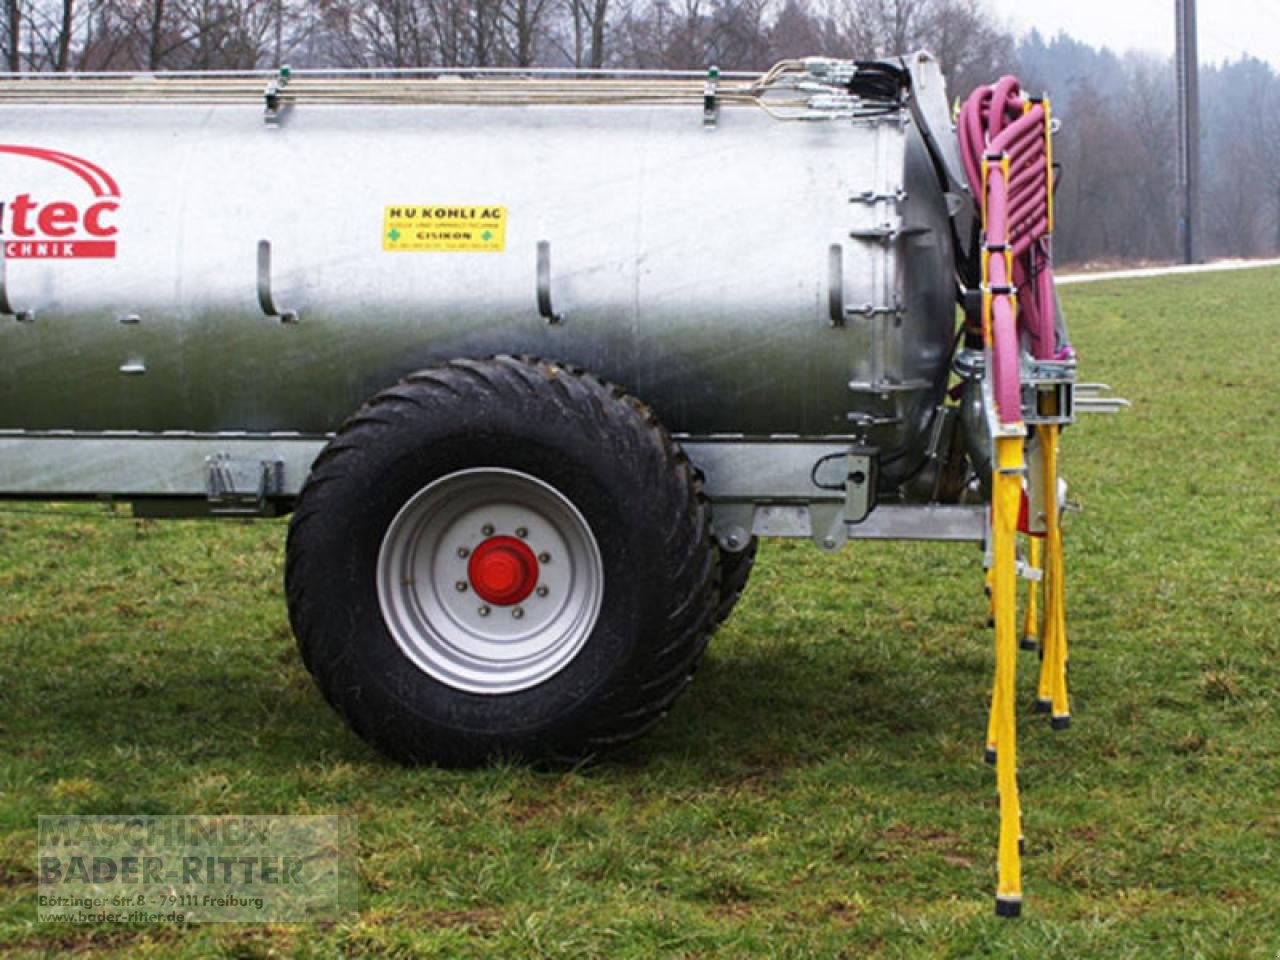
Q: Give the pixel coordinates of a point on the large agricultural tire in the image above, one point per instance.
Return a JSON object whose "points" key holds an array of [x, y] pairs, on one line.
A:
{"points": [[501, 558], [735, 571]]}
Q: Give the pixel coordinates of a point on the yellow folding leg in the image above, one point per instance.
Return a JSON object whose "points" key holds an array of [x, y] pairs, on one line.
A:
{"points": [[1030, 616], [989, 754], [993, 715], [1006, 499], [1029, 636], [1051, 691]]}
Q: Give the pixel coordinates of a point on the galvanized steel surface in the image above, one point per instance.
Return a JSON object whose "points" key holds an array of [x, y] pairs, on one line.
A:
{"points": [[691, 265]]}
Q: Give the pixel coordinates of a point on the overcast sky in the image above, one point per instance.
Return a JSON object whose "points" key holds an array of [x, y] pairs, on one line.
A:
{"points": [[1227, 28]]}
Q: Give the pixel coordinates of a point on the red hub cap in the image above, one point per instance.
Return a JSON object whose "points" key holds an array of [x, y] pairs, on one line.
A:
{"points": [[503, 571]]}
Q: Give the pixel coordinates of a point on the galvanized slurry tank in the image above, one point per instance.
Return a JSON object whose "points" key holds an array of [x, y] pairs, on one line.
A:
{"points": [[690, 263], [533, 360]]}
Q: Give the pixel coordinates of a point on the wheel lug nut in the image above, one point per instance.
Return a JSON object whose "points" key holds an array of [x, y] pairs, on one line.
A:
{"points": [[487, 529], [542, 591], [522, 532], [484, 611], [464, 552], [461, 586], [544, 557], [517, 613]]}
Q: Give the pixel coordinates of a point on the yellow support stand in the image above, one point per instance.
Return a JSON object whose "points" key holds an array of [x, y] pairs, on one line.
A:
{"points": [[1030, 639], [1051, 693], [1006, 500], [993, 715]]}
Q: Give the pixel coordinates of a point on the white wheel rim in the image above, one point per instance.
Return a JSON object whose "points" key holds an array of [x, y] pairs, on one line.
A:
{"points": [[438, 613]]}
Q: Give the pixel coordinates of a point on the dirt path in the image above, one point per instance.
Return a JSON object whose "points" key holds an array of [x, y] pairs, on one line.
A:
{"points": [[1165, 271]]}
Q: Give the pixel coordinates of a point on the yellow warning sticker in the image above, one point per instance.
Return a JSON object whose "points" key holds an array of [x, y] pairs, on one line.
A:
{"points": [[454, 229]]}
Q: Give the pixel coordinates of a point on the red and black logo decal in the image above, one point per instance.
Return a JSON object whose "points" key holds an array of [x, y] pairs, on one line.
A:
{"points": [[58, 227]]}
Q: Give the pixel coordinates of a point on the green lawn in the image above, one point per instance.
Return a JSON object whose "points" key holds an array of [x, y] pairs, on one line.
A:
{"points": [[818, 792]]}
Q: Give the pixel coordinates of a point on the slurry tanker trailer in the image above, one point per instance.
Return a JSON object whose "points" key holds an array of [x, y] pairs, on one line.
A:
{"points": [[534, 359]]}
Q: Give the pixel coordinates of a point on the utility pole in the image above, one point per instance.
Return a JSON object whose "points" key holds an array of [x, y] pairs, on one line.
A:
{"points": [[1188, 69]]}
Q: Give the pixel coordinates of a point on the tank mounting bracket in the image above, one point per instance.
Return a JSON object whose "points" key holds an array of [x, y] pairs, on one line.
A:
{"points": [[238, 486]]}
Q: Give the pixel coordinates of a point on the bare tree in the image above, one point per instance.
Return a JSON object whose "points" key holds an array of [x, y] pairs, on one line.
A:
{"points": [[971, 48], [1149, 127], [49, 34], [667, 34], [969, 43], [64, 36], [588, 21], [485, 34], [795, 32], [1082, 189], [525, 28], [1262, 135], [868, 28], [448, 32], [738, 34], [156, 34], [13, 35], [389, 33], [58, 41]]}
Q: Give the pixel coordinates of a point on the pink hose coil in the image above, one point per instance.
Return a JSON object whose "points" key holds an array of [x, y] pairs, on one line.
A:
{"points": [[998, 125]]}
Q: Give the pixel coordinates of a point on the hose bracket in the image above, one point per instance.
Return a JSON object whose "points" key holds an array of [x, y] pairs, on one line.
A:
{"points": [[274, 108], [710, 105]]}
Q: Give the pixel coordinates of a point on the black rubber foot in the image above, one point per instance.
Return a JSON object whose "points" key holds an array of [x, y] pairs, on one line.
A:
{"points": [[1060, 723], [1043, 706], [991, 621], [989, 755], [1029, 643], [1008, 908], [1022, 847]]}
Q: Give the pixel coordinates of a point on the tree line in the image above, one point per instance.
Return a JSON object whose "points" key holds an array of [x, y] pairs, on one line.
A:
{"points": [[1118, 148], [1117, 144]]}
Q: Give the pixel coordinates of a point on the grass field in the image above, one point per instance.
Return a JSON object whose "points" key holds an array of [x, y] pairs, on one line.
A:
{"points": [[818, 792]]}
